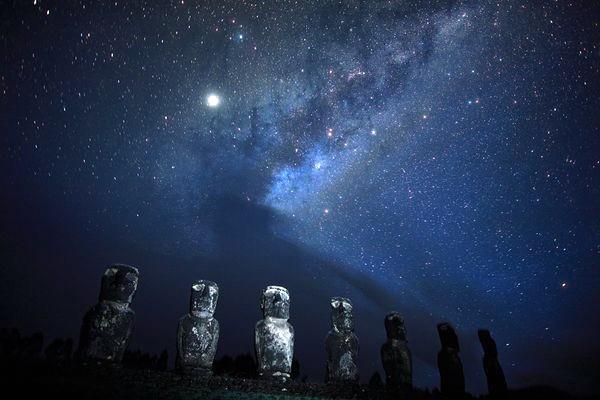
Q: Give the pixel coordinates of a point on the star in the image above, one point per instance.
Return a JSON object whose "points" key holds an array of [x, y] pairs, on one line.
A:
{"points": [[213, 100]]}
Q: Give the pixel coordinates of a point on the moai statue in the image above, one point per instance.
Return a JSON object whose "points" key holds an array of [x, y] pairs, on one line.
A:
{"points": [[198, 331], [274, 336], [341, 344], [395, 354], [493, 371], [452, 379], [107, 326]]}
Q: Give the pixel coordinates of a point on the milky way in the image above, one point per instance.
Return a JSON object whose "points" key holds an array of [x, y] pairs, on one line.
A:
{"points": [[447, 153]]}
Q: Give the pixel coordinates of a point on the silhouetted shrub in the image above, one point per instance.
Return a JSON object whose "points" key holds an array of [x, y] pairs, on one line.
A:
{"points": [[375, 382], [138, 360], [163, 361], [59, 351], [223, 365], [244, 366]]}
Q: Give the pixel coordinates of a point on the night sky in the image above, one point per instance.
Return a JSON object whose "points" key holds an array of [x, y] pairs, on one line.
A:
{"points": [[437, 158]]}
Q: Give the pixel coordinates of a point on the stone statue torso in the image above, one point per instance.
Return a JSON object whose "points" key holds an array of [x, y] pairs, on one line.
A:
{"points": [[397, 362], [274, 346], [197, 341], [107, 327], [342, 352]]}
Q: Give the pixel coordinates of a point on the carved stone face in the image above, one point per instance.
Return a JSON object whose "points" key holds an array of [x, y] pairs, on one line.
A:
{"points": [[448, 336], [341, 314], [276, 302], [203, 300], [119, 283], [394, 326]]}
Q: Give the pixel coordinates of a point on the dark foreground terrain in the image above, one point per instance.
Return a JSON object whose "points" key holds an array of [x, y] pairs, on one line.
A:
{"points": [[31, 371], [103, 382]]}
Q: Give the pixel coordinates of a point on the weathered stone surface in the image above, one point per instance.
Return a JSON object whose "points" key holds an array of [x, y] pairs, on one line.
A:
{"points": [[274, 335], [493, 371], [452, 379], [395, 354], [341, 344], [107, 326], [198, 331]]}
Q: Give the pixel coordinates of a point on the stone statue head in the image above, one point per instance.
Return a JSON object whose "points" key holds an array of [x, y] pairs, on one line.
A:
{"points": [[488, 344], [448, 337], [203, 300], [394, 326], [342, 319], [275, 302], [119, 283]]}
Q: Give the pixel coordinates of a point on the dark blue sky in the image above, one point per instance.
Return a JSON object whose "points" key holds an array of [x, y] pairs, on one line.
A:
{"points": [[437, 158]]}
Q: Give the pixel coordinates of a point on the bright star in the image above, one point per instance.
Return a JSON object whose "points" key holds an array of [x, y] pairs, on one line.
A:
{"points": [[212, 100]]}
